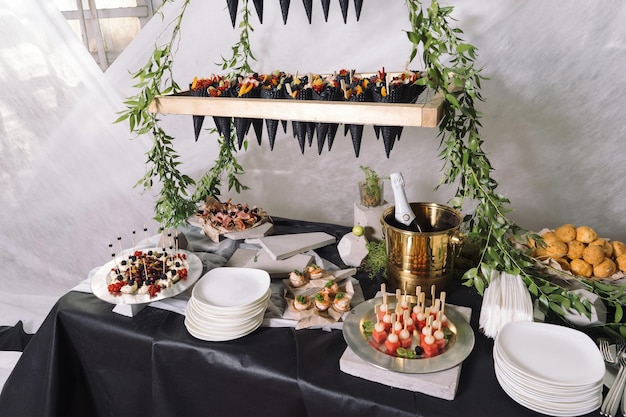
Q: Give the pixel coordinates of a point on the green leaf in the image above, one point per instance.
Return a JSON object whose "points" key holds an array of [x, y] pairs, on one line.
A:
{"points": [[619, 313]]}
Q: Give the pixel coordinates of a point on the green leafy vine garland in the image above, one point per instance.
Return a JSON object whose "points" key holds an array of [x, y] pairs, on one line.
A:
{"points": [[465, 163]]}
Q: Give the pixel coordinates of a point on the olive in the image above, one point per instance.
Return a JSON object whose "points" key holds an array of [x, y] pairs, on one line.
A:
{"points": [[120, 278], [418, 350]]}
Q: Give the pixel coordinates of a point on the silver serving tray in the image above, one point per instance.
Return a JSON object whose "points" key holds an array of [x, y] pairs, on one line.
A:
{"points": [[459, 346]]}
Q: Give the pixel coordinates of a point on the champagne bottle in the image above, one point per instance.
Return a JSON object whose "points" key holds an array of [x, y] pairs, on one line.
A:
{"points": [[403, 212]]}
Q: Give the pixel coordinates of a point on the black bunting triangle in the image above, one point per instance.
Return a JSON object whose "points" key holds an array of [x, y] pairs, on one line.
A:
{"points": [[308, 6], [344, 9], [358, 5], [232, 9], [258, 5], [284, 8]]}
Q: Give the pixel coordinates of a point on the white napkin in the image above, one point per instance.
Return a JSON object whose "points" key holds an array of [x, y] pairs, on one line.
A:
{"points": [[506, 299]]}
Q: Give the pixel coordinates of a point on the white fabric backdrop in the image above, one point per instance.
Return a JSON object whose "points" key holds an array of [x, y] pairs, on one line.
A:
{"points": [[553, 128]]}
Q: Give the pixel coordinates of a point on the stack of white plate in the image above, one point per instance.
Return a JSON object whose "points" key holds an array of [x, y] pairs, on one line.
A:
{"points": [[550, 369], [227, 303]]}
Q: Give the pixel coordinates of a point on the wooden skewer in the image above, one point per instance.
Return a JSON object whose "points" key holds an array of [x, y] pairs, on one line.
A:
{"points": [[442, 297], [432, 294]]}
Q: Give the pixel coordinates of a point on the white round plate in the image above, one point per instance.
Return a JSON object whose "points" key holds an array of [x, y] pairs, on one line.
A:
{"points": [[100, 282], [220, 336], [220, 313], [231, 288], [222, 323], [551, 354]]}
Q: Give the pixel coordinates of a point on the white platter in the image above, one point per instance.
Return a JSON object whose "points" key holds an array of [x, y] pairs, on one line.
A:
{"points": [[99, 282], [550, 354]]}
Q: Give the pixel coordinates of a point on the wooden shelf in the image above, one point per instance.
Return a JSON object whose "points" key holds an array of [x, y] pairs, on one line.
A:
{"points": [[426, 112]]}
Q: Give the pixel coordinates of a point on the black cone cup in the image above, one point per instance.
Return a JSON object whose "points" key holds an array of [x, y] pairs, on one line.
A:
{"points": [[322, 131], [377, 131], [258, 5], [284, 123], [232, 9], [389, 134], [301, 135], [310, 131], [308, 6], [332, 132], [242, 125], [223, 126], [284, 8], [257, 125], [346, 128], [198, 120], [272, 127], [356, 132], [326, 7], [358, 5], [344, 9]]}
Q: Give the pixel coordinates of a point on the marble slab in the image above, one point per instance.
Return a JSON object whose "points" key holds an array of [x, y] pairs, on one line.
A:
{"points": [[262, 230], [441, 384], [285, 246]]}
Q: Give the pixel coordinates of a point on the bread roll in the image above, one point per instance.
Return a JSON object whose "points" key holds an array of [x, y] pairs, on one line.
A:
{"points": [[619, 248], [575, 249], [593, 254], [586, 234], [608, 249], [604, 269], [549, 237], [621, 262], [566, 233], [556, 249], [580, 267]]}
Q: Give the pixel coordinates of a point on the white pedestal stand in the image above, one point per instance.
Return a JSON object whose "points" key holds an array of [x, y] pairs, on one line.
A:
{"points": [[369, 218]]}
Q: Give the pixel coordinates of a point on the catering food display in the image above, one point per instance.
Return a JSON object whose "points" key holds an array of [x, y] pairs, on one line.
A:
{"points": [[579, 251], [409, 333], [146, 275], [343, 85], [217, 218]]}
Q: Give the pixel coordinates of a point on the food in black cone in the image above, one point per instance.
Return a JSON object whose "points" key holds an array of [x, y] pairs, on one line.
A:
{"points": [[272, 126], [232, 9], [298, 89], [258, 5], [308, 6], [244, 88], [344, 10], [326, 7], [332, 132], [198, 88], [324, 89], [284, 8], [358, 5], [356, 132]]}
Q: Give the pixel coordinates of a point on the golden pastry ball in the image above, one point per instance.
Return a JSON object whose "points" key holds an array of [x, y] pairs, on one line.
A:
{"points": [[606, 246], [580, 267], [586, 234], [619, 248], [550, 236], [566, 232], [621, 262], [575, 249], [556, 249], [604, 269], [593, 254]]}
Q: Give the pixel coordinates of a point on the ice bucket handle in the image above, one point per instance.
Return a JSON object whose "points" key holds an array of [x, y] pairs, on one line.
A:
{"points": [[456, 240]]}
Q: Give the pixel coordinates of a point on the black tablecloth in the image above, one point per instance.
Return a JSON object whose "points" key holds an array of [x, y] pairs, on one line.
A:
{"points": [[87, 361]]}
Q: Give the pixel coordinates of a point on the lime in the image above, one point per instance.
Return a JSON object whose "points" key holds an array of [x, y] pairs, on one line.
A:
{"points": [[358, 230]]}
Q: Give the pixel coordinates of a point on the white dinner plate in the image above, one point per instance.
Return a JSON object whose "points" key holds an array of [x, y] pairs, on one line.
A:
{"points": [[100, 281], [550, 354], [220, 336], [232, 323], [231, 288], [216, 312]]}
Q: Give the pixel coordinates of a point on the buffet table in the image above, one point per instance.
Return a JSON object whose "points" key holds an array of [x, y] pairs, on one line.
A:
{"points": [[88, 361]]}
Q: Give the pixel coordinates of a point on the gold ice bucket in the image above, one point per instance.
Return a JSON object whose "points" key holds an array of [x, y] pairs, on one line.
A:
{"points": [[422, 258]]}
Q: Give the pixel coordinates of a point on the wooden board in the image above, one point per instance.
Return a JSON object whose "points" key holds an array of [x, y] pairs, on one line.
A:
{"points": [[426, 112]]}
